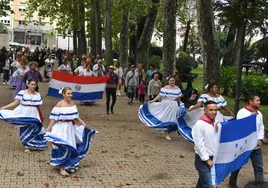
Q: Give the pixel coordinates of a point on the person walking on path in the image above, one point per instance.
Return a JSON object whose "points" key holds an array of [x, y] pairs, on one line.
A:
{"points": [[141, 89], [111, 87], [131, 83], [33, 74], [205, 137], [252, 107], [154, 87]]}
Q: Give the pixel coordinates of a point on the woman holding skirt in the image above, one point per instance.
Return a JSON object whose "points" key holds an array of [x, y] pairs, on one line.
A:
{"points": [[163, 115], [70, 142], [27, 116], [21, 85]]}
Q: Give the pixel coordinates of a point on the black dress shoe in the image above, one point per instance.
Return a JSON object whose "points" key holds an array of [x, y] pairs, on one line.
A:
{"points": [[107, 112]]}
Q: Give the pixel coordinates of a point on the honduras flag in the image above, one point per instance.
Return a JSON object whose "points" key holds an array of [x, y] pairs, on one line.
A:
{"points": [[237, 140], [84, 87]]}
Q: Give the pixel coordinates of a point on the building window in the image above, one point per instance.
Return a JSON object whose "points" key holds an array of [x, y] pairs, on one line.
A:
{"points": [[21, 22]]}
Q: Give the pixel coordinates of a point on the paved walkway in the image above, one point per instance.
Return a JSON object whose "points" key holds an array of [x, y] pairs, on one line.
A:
{"points": [[125, 154]]}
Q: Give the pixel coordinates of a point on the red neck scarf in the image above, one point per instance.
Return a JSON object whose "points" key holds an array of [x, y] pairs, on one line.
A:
{"points": [[249, 108], [205, 118]]}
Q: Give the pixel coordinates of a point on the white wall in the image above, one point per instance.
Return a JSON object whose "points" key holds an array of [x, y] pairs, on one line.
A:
{"points": [[4, 40], [63, 42]]}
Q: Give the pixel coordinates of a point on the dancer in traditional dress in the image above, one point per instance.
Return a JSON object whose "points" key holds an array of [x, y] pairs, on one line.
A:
{"points": [[27, 116], [87, 72], [187, 121], [21, 85], [70, 142], [13, 82], [163, 115]]}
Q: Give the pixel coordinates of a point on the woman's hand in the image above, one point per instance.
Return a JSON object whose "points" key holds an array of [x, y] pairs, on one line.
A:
{"points": [[2, 108], [150, 101], [49, 129]]}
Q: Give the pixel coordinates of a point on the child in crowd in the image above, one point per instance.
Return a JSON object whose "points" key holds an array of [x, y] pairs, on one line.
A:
{"points": [[141, 89]]}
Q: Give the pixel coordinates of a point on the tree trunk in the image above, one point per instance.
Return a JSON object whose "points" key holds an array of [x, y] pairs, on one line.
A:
{"points": [[75, 42], [147, 33], [108, 32], [123, 58], [98, 27], [229, 44], [92, 32], [239, 53], [169, 37], [210, 42], [186, 36], [82, 26]]}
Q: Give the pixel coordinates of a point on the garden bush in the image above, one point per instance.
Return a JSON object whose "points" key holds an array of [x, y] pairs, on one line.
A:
{"points": [[184, 66], [255, 85], [228, 79]]}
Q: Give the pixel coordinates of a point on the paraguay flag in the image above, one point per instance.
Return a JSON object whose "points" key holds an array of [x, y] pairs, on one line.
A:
{"points": [[84, 87]]}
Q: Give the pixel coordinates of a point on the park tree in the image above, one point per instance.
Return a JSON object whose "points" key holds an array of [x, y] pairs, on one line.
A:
{"points": [[4, 7], [208, 41], [108, 32], [169, 38]]}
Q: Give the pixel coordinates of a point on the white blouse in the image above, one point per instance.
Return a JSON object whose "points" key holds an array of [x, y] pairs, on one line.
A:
{"points": [[27, 99], [64, 113], [170, 94], [220, 101], [87, 73]]}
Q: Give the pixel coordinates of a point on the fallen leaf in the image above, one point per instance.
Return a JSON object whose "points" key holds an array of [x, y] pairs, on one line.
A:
{"points": [[46, 185], [129, 183], [146, 160], [20, 173], [181, 156], [104, 151], [126, 155], [118, 185], [99, 182], [42, 161], [121, 168]]}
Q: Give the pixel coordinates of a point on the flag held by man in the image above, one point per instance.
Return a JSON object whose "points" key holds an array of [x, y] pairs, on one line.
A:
{"points": [[84, 88]]}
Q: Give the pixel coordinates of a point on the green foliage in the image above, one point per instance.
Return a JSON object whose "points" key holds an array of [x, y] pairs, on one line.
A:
{"points": [[3, 28], [4, 7], [255, 85], [228, 79], [156, 51], [185, 64], [155, 60]]}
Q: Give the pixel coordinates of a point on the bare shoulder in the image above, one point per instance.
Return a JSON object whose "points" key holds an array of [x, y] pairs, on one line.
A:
{"points": [[60, 104], [166, 87]]}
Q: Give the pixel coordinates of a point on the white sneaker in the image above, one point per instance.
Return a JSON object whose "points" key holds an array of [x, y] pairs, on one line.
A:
{"points": [[168, 137], [119, 93], [4, 83]]}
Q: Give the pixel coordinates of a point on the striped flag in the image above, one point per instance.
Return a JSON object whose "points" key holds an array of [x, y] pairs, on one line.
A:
{"points": [[84, 87]]}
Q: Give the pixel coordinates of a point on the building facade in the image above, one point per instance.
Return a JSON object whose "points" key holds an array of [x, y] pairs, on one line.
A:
{"points": [[30, 34]]}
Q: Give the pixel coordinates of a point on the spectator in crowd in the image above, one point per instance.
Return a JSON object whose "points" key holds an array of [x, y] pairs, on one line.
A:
{"points": [[141, 89], [131, 83], [154, 87], [99, 68], [149, 74], [119, 72], [65, 67], [49, 64], [6, 68], [157, 71], [33, 74], [141, 77], [126, 70]]}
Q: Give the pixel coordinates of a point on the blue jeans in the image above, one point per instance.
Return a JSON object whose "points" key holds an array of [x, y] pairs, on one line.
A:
{"points": [[204, 172], [257, 163]]}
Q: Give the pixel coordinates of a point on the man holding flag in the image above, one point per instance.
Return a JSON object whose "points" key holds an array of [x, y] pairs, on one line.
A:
{"points": [[205, 137], [256, 155]]}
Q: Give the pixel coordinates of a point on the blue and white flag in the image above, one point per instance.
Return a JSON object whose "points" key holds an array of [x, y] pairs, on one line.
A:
{"points": [[84, 87], [237, 140]]}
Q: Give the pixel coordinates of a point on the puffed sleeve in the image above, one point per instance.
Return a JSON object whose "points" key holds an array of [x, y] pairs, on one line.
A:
{"points": [[223, 101], [19, 96], [203, 98]]}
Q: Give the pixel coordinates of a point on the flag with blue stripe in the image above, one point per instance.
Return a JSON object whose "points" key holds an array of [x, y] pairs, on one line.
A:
{"points": [[237, 140], [84, 87]]}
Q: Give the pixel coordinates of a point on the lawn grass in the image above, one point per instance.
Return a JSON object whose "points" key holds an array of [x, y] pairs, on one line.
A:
{"points": [[198, 83]]}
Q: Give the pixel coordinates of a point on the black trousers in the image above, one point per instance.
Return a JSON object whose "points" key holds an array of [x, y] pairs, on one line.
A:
{"points": [[141, 98], [110, 92]]}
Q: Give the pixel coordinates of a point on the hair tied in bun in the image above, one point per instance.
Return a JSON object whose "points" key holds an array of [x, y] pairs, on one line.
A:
{"points": [[206, 87], [60, 91]]}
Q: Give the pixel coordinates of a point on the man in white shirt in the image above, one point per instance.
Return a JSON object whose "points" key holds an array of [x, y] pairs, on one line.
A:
{"points": [[49, 64], [205, 138], [256, 155]]}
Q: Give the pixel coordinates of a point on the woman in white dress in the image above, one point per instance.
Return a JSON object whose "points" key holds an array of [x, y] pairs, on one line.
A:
{"points": [[27, 116], [163, 115], [70, 142], [119, 72], [186, 122], [15, 65]]}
